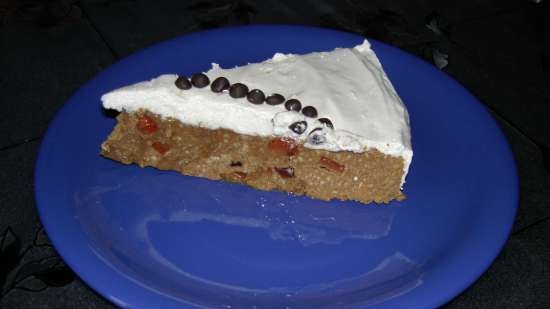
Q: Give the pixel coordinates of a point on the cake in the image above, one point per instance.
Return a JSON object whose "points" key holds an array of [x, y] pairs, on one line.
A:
{"points": [[328, 125]]}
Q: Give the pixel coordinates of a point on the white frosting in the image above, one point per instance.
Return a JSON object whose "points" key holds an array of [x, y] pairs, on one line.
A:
{"points": [[348, 86]]}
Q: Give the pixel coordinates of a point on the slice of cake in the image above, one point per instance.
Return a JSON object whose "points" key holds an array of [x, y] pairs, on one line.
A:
{"points": [[325, 124]]}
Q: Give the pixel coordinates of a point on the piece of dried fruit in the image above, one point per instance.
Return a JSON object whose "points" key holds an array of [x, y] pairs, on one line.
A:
{"points": [[161, 148], [240, 175], [285, 172], [332, 165], [146, 125], [283, 146]]}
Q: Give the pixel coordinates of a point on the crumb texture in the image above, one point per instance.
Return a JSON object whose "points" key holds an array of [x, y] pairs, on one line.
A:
{"points": [[264, 163]]}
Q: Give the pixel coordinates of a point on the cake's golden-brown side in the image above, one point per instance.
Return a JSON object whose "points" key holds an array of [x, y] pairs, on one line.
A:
{"points": [[263, 163]]}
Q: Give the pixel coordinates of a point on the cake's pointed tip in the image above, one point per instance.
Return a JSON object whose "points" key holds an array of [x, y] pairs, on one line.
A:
{"points": [[363, 47]]}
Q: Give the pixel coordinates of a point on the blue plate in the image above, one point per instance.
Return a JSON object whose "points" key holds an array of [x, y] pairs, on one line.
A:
{"points": [[149, 239]]}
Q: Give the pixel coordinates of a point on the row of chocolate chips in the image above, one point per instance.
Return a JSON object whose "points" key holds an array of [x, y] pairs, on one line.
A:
{"points": [[254, 96]]}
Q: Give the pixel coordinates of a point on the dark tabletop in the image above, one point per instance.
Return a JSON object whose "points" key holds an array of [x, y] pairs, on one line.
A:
{"points": [[496, 49]]}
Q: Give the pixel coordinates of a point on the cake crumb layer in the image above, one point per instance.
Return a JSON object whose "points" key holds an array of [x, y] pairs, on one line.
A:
{"points": [[263, 163]]}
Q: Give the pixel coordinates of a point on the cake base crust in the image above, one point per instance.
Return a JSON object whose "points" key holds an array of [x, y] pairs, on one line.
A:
{"points": [[260, 162]]}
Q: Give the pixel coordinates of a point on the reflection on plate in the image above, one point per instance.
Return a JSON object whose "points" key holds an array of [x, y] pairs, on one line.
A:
{"points": [[282, 219]]}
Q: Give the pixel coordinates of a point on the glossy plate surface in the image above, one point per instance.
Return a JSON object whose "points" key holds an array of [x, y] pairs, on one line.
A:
{"points": [[150, 239]]}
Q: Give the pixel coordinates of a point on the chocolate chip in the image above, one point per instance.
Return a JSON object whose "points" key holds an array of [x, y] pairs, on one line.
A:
{"points": [[316, 137], [285, 172], [309, 111], [298, 127], [293, 105], [219, 84], [235, 163], [255, 96], [183, 83], [326, 122], [275, 99], [200, 80], [238, 90]]}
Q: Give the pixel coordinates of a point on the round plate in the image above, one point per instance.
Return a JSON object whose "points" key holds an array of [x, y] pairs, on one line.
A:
{"points": [[150, 239]]}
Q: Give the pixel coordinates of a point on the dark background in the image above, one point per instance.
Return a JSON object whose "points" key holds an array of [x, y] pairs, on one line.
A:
{"points": [[496, 49]]}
